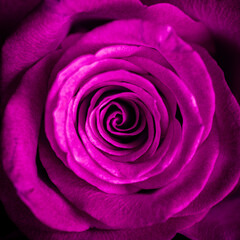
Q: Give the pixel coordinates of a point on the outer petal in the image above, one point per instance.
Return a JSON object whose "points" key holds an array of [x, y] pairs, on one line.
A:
{"points": [[34, 229], [227, 118], [160, 14], [165, 231], [222, 17], [39, 34], [46, 28], [109, 8], [13, 11], [222, 222], [21, 125], [185, 27]]}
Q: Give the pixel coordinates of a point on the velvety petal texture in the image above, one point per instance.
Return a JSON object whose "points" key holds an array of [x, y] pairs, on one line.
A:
{"points": [[12, 12], [124, 131], [222, 17], [211, 227]]}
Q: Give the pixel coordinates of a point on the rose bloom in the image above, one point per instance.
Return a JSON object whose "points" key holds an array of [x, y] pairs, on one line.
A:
{"points": [[117, 121]]}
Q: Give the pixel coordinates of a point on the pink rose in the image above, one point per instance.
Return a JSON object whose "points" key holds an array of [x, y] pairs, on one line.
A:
{"points": [[118, 124]]}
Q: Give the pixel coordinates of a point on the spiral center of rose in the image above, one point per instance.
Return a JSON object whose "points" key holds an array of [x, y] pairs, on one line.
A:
{"points": [[115, 119], [109, 113]]}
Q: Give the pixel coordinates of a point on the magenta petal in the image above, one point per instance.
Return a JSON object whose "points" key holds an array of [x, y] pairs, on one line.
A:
{"points": [[94, 202], [221, 17], [193, 73], [21, 123], [13, 11], [100, 116], [65, 86], [192, 125], [188, 29], [110, 8], [25, 221], [99, 155], [222, 222], [55, 133], [226, 172], [38, 35], [163, 231]]}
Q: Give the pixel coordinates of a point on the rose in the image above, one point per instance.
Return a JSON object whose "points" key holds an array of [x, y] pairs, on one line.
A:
{"points": [[26, 192], [87, 89]]}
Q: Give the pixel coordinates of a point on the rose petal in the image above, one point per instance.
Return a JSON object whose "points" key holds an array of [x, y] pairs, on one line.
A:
{"points": [[175, 18], [38, 35], [110, 130], [131, 32], [78, 71], [153, 207], [227, 119], [192, 126], [163, 231], [193, 73], [222, 222], [185, 27], [13, 11], [21, 125], [221, 17], [34, 229], [111, 9]]}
